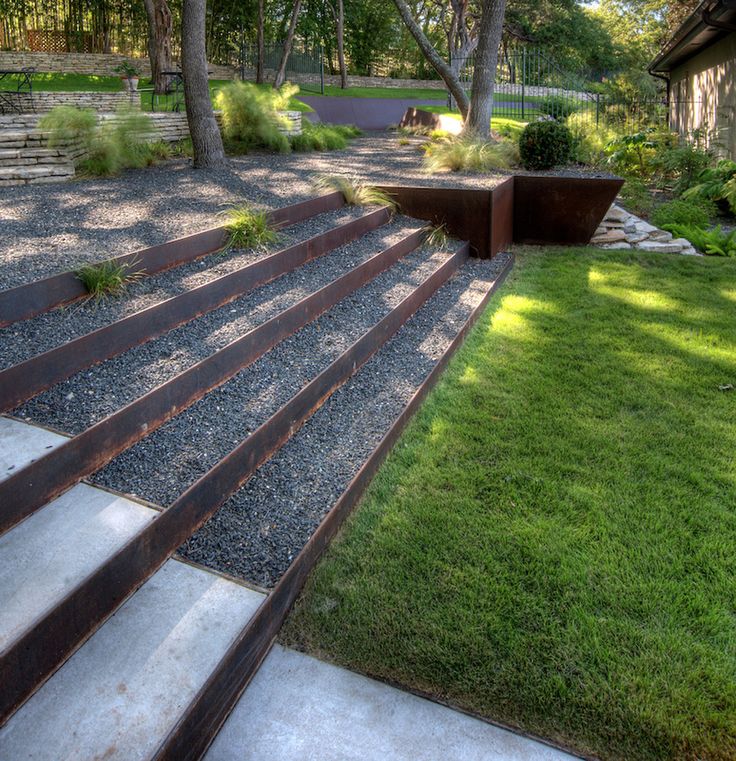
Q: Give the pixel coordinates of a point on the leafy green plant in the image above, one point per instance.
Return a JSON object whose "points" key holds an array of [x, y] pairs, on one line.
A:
{"points": [[632, 154], [590, 138], [247, 228], [713, 242], [127, 69], [545, 144], [716, 183], [636, 197], [557, 106], [107, 278], [355, 194], [679, 163], [679, 212], [437, 236], [250, 116], [469, 153]]}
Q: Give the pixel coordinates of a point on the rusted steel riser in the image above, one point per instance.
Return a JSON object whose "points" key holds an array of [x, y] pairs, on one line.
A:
{"points": [[29, 489], [209, 709], [35, 656], [37, 297], [26, 379]]}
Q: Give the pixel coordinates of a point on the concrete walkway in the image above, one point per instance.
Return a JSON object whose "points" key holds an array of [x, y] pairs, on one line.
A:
{"points": [[298, 709]]}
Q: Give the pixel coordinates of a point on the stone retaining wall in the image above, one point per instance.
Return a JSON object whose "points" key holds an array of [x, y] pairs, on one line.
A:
{"points": [[100, 64], [99, 101]]}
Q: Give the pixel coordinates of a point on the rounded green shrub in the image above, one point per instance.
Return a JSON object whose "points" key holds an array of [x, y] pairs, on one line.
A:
{"points": [[545, 144], [557, 106], [679, 212]]}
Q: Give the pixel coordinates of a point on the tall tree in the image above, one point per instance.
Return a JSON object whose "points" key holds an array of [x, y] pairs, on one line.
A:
{"points": [[451, 79], [288, 44], [484, 72], [338, 12], [203, 129], [159, 41], [261, 40]]}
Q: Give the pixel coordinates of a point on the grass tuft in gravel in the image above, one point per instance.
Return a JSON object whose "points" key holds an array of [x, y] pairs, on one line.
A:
{"points": [[355, 193], [247, 228], [107, 278], [552, 543]]}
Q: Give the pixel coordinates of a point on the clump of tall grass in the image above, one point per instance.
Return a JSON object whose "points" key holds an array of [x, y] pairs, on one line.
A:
{"points": [[323, 137], [437, 236], [354, 193], [470, 153], [250, 115], [247, 228], [107, 278]]}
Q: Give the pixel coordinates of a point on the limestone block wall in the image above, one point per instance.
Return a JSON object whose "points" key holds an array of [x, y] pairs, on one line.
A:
{"points": [[41, 102]]}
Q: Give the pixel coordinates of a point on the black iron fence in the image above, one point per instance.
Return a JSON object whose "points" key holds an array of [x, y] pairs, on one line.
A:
{"points": [[305, 66]]}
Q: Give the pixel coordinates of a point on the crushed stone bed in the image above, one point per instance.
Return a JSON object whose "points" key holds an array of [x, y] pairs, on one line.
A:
{"points": [[55, 227], [161, 466], [30, 337], [92, 394], [260, 530]]}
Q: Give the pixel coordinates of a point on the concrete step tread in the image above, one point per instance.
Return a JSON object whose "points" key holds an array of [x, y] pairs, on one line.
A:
{"points": [[123, 691], [22, 443], [46, 556], [298, 707]]}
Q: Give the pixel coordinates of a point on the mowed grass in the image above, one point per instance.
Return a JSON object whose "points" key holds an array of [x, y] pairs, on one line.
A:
{"points": [[552, 544]]}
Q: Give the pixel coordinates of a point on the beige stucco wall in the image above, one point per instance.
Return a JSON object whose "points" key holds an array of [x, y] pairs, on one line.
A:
{"points": [[703, 95]]}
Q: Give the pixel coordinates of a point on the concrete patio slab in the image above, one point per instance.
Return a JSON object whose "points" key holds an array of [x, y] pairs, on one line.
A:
{"points": [[22, 443], [366, 113], [298, 709]]}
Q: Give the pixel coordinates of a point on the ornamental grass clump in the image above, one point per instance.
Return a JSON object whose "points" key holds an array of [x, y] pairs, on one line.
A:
{"points": [[469, 153], [354, 193], [323, 137], [251, 118], [107, 278], [247, 228]]}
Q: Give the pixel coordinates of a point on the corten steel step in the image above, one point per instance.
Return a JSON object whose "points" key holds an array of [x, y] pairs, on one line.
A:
{"points": [[26, 379], [31, 299], [31, 488], [32, 657]]}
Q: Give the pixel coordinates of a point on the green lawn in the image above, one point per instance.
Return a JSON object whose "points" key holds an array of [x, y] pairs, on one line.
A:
{"points": [[385, 92], [552, 544]]}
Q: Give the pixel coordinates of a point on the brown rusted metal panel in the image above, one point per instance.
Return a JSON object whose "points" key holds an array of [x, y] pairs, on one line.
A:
{"points": [[26, 379], [37, 654], [502, 216], [560, 210], [212, 705], [33, 486], [28, 300], [465, 212]]}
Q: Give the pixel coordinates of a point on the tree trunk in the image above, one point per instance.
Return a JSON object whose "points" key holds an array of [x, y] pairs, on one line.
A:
{"points": [[478, 121], [159, 41], [203, 129], [435, 59], [288, 43], [340, 29], [261, 40]]}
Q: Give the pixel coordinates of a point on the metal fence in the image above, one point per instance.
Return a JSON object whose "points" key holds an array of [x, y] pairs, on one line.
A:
{"points": [[305, 66]]}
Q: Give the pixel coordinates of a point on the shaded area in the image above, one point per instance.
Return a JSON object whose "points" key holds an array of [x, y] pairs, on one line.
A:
{"points": [[365, 113]]}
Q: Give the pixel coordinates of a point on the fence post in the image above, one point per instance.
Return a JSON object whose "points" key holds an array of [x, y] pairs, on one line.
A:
{"points": [[597, 109], [321, 70], [523, 82]]}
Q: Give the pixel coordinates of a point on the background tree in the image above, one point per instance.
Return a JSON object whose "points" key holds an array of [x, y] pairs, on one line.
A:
{"points": [[288, 44], [203, 129], [160, 28], [338, 12]]}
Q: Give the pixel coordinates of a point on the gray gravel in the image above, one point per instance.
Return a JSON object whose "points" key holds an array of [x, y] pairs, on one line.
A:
{"points": [[92, 394], [261, 529], [30, 337], [50, 228], [164, 464]]}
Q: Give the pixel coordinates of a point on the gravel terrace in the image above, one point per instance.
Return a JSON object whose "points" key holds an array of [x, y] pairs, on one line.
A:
{"points": [[55, 227], [92, 394]]}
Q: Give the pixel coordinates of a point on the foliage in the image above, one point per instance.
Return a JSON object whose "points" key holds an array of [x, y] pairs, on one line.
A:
{"points": [[323, 137], [631, 155], [470, 154], [355, 194], [551, 544], [545, 144], [437, 236], [717, 183], [111, 145], [637, 197], [557, 106], [107, 278], [127, 69], [680, 162], [681, 212], [247, 228], [714, 242], [250, 115], [590, 137]]}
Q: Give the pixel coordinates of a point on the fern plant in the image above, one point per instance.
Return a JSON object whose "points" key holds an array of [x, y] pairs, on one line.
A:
{"points": [[717, 183], [713, 242]]}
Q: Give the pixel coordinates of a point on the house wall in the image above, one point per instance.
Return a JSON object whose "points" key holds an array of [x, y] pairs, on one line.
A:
{"points": [[703, 95]]}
